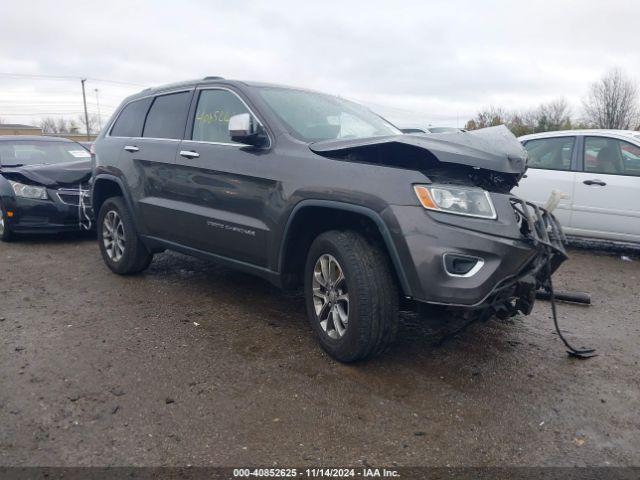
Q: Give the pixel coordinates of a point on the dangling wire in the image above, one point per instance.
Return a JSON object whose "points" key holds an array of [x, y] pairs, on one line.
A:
{"points": [[83, 217], [582, 354]]}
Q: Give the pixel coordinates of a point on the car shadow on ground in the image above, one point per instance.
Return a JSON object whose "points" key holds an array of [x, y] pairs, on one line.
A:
{"points": [[52, 238], [267, 306]]}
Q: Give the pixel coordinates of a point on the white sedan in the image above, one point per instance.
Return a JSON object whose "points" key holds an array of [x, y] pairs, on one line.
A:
{"points": [[599, 173]]}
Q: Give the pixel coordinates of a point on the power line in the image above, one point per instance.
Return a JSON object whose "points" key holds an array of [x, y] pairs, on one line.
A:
{"points": [[67, 77], [47, 104], [37, 114]]}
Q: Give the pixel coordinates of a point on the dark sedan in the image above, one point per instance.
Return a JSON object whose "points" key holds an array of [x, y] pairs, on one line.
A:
{"points": [[43, 185]]}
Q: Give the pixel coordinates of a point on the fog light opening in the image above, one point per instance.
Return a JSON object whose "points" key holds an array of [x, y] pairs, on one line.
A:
{"points": [[457, 265]]}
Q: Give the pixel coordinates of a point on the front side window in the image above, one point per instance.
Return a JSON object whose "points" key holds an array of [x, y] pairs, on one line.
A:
{"points": [[313, 117], [130, 121], [611, 156], [39, 152], [215, 108], [167, 116], [550, 153]]}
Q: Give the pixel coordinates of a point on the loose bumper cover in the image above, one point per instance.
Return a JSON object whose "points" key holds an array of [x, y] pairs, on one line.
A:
{"points": [[517, 255], [66, 209]]}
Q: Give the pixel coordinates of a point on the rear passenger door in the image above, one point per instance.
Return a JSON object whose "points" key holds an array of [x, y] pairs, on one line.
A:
{"points": [[607, 190], [550, 164], [226, 188], [151, 158], [125, 131]]}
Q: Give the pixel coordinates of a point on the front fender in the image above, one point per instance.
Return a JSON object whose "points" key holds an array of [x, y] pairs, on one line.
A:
{"points": [[376, 217]]}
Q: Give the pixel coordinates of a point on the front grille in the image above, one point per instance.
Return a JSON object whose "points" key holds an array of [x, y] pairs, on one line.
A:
{"points": [[72, 197], [538, 225]]}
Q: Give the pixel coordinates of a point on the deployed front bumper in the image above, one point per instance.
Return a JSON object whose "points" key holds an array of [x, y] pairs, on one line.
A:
{"points": [[61, 212], [515, 258]]}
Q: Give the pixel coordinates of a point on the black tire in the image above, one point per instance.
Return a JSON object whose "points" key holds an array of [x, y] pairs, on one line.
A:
{"points": [[135, 257], [6, 235], [372, 296]]}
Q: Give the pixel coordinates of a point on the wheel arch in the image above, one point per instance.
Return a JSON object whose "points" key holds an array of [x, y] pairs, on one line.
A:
{"points": [[105, 186], [299, 233]]}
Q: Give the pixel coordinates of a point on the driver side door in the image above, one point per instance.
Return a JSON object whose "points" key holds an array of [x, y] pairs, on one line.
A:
{"points": [[225, 189]]}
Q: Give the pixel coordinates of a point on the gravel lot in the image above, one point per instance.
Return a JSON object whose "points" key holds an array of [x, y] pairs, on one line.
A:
{"points": [[191, 363]]}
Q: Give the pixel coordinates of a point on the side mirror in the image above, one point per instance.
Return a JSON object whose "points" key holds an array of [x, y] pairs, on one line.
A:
{"points": [[243, 128]]}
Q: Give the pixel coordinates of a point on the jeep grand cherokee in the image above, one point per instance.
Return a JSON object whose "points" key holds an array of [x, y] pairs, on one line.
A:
{"points": [[310, 190]]}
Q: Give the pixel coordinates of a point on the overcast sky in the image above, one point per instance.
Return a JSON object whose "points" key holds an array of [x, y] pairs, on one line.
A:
{"points": [[415, 62]]}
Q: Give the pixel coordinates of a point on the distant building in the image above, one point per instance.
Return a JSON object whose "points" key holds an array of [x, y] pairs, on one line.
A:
{"points": [[18, 129]]}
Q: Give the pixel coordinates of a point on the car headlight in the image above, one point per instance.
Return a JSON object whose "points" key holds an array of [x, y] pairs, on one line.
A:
{"points": [[472, 202], [29, 191]]}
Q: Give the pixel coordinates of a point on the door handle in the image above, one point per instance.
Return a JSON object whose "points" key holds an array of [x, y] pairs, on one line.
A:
{"points": [[189, 154], [594, 182], [131, 148]]}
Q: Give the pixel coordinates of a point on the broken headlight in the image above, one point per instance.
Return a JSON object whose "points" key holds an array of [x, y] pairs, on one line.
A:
{"points": [[28, 191], [472, 202]]}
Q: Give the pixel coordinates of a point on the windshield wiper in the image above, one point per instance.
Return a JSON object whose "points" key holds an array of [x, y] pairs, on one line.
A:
{"points": [[11, 165]]}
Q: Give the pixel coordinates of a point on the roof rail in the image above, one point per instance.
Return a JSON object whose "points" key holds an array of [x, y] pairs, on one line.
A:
{"points": [[213, 78]]}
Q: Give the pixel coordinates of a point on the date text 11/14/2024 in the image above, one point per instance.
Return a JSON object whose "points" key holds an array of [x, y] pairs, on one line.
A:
{"points": [[367, 472]]}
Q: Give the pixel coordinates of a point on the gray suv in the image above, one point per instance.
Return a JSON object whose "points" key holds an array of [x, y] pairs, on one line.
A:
{"points": [[309, 190]]}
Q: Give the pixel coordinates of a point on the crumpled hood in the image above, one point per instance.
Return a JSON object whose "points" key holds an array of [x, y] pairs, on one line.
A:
{"points": [[52, 175], [493, 148]]}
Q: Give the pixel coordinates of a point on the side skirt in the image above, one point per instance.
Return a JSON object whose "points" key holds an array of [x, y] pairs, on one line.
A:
{"points": [[155, 244]]}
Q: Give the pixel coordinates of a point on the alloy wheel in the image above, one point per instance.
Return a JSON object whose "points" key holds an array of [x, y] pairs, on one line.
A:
{"points": [[113, 235], [1, 222], [330, 296]]}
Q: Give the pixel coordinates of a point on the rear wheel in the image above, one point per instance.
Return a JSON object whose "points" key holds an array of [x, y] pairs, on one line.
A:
{"points": [[122, 250], [5, 233], [351, 296]]}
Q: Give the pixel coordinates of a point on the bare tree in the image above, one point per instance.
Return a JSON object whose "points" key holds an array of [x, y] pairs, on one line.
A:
{"points": [[93, 123], [489, 117], [61, 126], [49, 125], [555, 115], [613, 102]]}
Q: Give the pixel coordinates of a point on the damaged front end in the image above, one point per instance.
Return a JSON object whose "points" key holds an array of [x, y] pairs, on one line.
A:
{"points": [[48, 197], [490, 158], [511, 249], [517, 293]]}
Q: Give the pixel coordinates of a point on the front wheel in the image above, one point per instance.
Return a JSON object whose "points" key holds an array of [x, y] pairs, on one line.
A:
{"points": [[351, 296], [122, 250]]}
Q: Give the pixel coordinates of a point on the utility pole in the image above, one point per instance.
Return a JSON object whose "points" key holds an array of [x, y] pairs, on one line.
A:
{"points": [[98, 103], [86, 115]]}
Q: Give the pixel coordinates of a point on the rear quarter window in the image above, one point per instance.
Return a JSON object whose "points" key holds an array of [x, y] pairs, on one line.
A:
{"points": [[131, 119]]}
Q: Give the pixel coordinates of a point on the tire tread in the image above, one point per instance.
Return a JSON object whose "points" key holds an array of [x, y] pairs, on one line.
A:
{"points": [[378, 300]]}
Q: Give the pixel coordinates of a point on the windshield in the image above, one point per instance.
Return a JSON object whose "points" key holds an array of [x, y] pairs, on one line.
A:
{"points": [[313, 117], [18, 153]]}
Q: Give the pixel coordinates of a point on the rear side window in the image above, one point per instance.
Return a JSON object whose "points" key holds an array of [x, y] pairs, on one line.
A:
{"points": [[611, 156], [550, 153], [130, 121], [167, 116], [215, 108]]}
